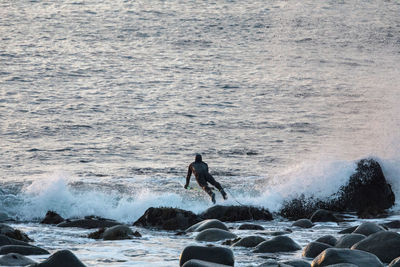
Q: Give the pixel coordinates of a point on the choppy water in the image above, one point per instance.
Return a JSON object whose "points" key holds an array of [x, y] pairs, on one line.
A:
{"points": [[103, 104]]}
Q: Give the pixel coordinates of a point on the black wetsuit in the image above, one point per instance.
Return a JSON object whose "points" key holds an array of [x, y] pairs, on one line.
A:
{"points": [[200, 171]]}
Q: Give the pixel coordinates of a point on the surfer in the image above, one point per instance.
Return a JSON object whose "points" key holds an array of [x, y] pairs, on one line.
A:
{"points": [[200, 170]]}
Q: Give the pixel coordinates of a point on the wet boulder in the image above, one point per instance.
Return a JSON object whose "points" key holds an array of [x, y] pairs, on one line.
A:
{"points": [[52, 218], [322, 215], [214, 234], [15, 259], [62, 258], [368, 228], [277, 244], [273, 263], [200, 263], [23, 250], [217, 255], [297, 263], [250, 226], [117, 232], [167, 219], [89, 222], [348, 230], [327, 239], [236, 213], [5, 240], [14, 233], [333, 256], [392, 224], [313, 249], [395, 263], [249, 241], [365, 191], [385, 245], [348, 240], [303, 223], [207, 224]]}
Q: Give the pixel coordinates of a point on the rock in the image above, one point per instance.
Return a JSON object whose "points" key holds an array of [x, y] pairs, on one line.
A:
{"points": [[348, 230], [322, 215], [249, 241], [52, 218], [218, 255], [5, 240], [385, 245], [206, 224], [343, 265], [13, 233], [313, 249], [297, 263], [89, 223], [303, 223], [117, 232], [368, 228], [214, 234], [332, 256], [23, 250], [250, 226], [62, 258], [167, 219], [277, 244], [366, 191], [348, 240], [395, 263], [393, 224], [15, 259], [200, 263], [236, 213], [273, 263], [278, 233], [327, 239]]}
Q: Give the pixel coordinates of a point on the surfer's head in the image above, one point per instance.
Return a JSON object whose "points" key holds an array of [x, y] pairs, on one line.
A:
{"points": [[198, 158]]}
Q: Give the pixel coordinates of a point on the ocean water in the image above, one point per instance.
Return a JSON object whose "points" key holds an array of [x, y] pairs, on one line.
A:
{"points": [[103, 104]]}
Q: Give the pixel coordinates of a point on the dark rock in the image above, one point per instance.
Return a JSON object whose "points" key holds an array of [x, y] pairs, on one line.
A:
{"points": [[343, 265], [23, 250], [118, 232], [89, 223], [348, 240], [62, 258], [273, 263], [393, 224], [214, 234], [348, 230], [368, 228], [385, 245], [167, 219], [249, 241], [14, 233], [332, 256], [366, 191], [322, 215], [200, 263], [5, 240], [327, 239], [277, 244], [236, 213], [218, 255], [207, 224], [395, 263], [313, 249], [297, 263], [278, 233], [15, 259], [303, 223], [52, 218], [250, 226]]}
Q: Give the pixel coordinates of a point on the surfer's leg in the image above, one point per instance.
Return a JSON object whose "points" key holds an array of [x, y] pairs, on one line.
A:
{"points": [[209, 192], [212, 181]]}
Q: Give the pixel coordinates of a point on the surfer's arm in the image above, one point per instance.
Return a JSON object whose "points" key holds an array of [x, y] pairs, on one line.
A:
{"points": [[189, 173]]}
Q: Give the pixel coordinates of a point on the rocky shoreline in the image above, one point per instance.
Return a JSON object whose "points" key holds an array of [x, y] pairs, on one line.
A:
{"points": [[216, 238]]}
